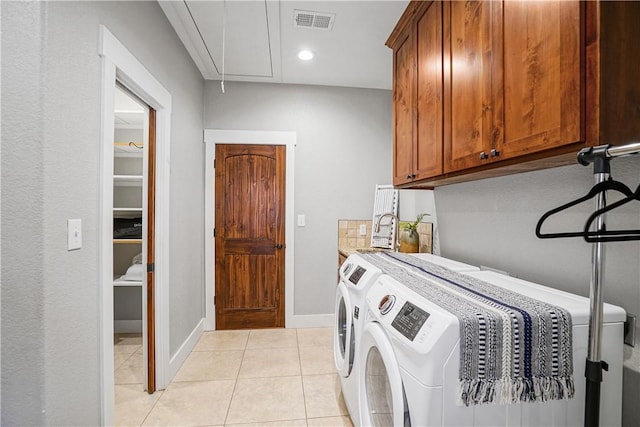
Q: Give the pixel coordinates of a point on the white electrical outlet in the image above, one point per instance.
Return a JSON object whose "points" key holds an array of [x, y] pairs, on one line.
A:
{"points": [[363, 229], [74, 234]]}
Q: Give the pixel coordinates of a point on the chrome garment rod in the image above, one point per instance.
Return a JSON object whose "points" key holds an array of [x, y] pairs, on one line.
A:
{"points": [[600, 157], [623, 150], [601, 154]]}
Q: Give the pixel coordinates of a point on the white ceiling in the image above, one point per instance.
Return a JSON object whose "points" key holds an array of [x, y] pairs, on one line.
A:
{"points": [[261, 42]]}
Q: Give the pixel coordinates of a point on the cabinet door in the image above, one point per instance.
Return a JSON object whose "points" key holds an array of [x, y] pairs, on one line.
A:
{"points": [[403, 108], [468, 113], [536, 77], [427, 153]]}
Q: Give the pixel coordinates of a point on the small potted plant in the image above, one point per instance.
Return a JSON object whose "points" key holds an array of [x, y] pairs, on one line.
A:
{"points": [[409, 238]]}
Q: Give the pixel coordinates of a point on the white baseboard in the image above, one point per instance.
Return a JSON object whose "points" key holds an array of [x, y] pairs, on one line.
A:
{"points": [[183, 352], [127, 326], [311, 321]]}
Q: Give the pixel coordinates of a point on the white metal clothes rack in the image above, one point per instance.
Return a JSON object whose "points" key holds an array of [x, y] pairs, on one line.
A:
{"points": [[600, 157]]}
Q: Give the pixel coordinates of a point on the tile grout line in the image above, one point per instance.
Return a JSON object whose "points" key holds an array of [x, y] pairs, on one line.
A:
{"points": [[235, 382], [154, 404], [304, 396]]}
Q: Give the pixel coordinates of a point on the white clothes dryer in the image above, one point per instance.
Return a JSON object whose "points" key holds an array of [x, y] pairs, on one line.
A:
{"points": [[409, 362], [356, 277], [451, 264]]}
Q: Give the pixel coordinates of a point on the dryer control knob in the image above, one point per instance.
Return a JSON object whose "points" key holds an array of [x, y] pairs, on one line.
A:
{"points": [[347, 268], [386, 304]]}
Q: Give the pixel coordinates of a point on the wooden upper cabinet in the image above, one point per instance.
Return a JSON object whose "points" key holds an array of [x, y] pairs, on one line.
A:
{"points": [[468, 112], [403, 109], [514, 80], [427, 154], [489, 88], [536, 76], [418, 94]]}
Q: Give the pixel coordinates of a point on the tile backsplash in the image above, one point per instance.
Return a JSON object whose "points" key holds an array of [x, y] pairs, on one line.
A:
{"points": [[349, 234], [349, 237], [425, 231]]}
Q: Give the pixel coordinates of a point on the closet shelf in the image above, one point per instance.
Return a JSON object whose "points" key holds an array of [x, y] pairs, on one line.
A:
{"points": [[126, 241], [132, 145], [128, 149], [127, 209], [127, 283], [127, 180]]}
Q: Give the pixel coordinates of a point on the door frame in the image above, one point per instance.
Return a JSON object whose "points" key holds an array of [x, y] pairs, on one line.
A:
{"points": [[211, 138], [117, 63]]}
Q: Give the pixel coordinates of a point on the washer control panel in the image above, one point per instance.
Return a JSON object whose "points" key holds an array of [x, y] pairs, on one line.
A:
{"points": [[357, 274], [409, 320], [346, 268], [386, 304], [415, 324]]}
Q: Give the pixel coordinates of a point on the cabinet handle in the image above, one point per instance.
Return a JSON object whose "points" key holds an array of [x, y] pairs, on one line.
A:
{"points": [[413, 176], [408, 176], [483, 155], [494, 152]]}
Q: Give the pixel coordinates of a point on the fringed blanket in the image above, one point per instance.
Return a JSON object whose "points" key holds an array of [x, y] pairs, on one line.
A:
{"points": [[512, 348]]}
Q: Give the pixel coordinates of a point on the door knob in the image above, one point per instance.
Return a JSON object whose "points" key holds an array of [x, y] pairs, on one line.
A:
{"points": [[279, 246]]}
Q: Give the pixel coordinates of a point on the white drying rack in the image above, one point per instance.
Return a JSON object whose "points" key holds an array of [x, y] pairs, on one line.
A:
{"points": [[386, 201]]}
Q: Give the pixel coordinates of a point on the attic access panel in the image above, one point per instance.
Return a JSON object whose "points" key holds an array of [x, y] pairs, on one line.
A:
{"points": [[246, 53]]}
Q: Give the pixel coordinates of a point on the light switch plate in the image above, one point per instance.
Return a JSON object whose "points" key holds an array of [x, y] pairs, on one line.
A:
{"points": [[74, 234], [363, 229], [301, 221]]}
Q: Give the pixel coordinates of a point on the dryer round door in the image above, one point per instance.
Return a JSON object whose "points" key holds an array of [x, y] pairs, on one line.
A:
{"points": [[382, 397], [343, 337]]}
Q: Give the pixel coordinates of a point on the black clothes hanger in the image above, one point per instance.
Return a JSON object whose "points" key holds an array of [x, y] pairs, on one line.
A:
{"points": [[611, 235], [609, 184]]}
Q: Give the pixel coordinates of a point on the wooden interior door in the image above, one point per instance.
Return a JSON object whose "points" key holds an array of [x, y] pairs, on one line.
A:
{"points": [[249, 236], [151, 212]]}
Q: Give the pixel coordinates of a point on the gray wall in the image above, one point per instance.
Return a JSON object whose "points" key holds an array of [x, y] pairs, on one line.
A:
{"points": [[23, 346], [492, 222], [50, 172], [343, 150]]}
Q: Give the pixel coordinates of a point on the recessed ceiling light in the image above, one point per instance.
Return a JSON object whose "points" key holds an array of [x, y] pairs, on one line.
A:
{"points": [[305, 55]]}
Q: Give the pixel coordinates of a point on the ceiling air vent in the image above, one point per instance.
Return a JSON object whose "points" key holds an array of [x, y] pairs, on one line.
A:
{"points": [[315, 20]]}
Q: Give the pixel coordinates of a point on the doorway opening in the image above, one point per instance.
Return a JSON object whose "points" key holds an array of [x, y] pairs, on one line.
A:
{"points": [[213, 137], [250, 236], [133, 237], [119, 66]]}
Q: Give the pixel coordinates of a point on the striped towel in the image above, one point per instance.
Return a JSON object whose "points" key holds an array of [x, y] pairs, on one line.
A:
{"points": [[512, 348]]}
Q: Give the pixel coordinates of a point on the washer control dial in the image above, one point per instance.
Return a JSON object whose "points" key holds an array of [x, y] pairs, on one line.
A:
{"points": [[347, 268], [386, 304]]}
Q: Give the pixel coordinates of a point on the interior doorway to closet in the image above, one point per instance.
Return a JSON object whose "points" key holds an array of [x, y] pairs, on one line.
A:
{"points": [[119, 66], [133, 241]]}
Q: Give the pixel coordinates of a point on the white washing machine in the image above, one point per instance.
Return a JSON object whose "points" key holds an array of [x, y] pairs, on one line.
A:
{"points": [[356, 277], [409, 362], [446, 262]]}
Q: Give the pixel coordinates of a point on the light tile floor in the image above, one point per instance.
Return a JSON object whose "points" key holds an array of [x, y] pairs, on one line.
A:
{"points": [[265, 377]]}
